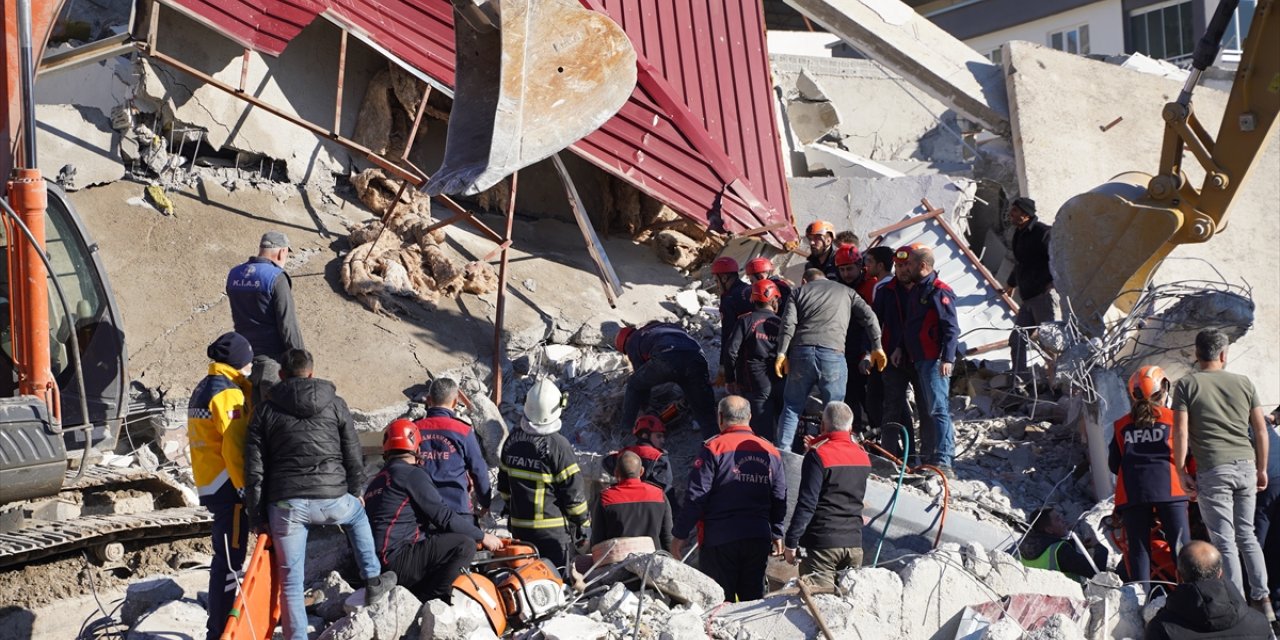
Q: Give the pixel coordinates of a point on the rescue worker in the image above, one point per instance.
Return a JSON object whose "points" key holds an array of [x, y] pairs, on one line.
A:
{"points": [[762, 269], [890, 304], [451, 452], [737, 493], [827, 519], [752, 350], [931, 340], [856, 343], [260, 294], [811, 347], [540, 480], [847, 237], [878, 263], [651, 438], [1147, 484], [217, 419], [303, 467], [420, 537], [1047, 546], [734, 301], [632, 508], [822, 248], [1266, 518], [661, 352], [1205, 604], [1030, 278]]}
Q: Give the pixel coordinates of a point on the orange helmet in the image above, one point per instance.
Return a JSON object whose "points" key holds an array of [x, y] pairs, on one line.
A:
{"points": [[724, 265], [1146, 382], [819, 227], [764, 291], [759, 265], [401, 435], [620, 340], [847, 254], [649, 424]]}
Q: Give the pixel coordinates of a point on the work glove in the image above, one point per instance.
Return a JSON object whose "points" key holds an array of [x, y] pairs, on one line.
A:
{"points": [[581, 535], [780, 366], [719, 377], [879, 360]]}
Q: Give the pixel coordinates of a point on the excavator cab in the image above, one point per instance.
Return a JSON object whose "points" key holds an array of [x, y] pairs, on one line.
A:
{"points": [[533, 77], [1109, 241]]}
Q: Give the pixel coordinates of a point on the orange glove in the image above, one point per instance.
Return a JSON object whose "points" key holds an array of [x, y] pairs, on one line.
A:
{"points": [[781, 367], [879, 360]]}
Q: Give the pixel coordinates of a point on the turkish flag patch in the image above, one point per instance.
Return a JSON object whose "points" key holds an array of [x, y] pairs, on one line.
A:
{"points": [[946, 300], [234, 414]]}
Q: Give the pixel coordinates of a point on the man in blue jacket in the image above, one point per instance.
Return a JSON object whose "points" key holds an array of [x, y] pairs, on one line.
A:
{"points": [[662, 352], [738, 494], [451, 453], [931, 335], [262, 310]]}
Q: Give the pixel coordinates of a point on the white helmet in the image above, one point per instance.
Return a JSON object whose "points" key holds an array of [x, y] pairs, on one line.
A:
{"points": [[543, 405]]}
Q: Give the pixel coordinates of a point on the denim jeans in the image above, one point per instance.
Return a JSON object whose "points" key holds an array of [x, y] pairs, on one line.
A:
{"points": [[938, 445], [1266, 523], [288, 521], [809, 365], [1228, 494], [685, 368]]}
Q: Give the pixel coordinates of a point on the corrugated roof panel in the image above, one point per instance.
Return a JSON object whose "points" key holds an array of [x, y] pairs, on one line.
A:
{"points": [[698, 133]]}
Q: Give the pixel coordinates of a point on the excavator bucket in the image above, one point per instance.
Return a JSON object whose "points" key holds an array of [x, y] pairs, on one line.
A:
{"points": [[1107, 243], [533, 77]]}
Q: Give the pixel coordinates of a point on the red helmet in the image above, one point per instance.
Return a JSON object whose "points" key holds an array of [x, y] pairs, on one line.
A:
{"points": [[648, 424], [819, 227], [846, 255], [759, 265], [401, 435], [724, 265], [764, 291], [903, 253], [1146, 382], [620, 340]]}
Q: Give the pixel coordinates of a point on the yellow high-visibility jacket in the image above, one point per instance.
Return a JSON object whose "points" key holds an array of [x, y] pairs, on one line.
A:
{"points": [[217, 420]]}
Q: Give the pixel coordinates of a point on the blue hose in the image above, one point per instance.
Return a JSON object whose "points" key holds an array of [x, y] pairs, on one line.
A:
{"points": [[893, 502]]}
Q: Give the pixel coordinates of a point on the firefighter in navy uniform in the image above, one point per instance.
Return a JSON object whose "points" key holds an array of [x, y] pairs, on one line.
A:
{"points": [[651, 437], [752, 350], [426, 542], [662, 352], [735, 300], [260, 294], [632, 508], [540, 480], [822, 248], [451, 453], [762, 269]]}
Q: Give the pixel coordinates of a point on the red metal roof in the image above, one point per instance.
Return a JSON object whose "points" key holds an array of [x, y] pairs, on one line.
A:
{"points": [[698, 133]]}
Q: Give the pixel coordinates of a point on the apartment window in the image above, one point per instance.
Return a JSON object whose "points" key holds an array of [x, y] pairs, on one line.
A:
{"points": [[1238, 30], [995, 56], [1075, 40], [1164, 31]]}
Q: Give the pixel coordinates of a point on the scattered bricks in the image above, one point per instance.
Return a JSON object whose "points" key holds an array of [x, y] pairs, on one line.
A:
{"points": [[465, 619], [177, 619], [386, 620], [574, 627], [143, 597], [680, 581], [875, 595], [106, 503]]}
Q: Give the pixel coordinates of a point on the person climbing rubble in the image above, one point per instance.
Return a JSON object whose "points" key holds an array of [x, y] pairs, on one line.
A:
{"points": [[827, 520], [737, 497], [650, 446], [735, 300], [217, 422], [1147, 484], [303, 467], [1218, 418], [856, 343], [632, 508], [1049, 545], [419, 536], [540, 481], [1030, 278], [890, 303], [1205, 604], [752, 349], [260, 294], [931, 333], [661, 352], [821, 236], [451, 452], [811, 348], [762, 269]]}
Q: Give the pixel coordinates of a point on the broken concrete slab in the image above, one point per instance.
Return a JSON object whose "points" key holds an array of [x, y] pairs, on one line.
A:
{"points": [[908, 43], [177, 619], [143, 597], [389, 619], [845, 164], [465, 619], [863, 205], [678, 580], [873, 592], [571, 626], [332, 591], [78, 147], [812, 121]]}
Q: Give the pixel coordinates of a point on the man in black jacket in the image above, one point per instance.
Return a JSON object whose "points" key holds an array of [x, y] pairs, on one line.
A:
{"points": [[426, 542], [1030, 277], [1205, 605], [632, 508], [303, 467]]}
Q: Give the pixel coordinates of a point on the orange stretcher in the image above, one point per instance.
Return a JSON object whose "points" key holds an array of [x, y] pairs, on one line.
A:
{"points": [[256, 612]]}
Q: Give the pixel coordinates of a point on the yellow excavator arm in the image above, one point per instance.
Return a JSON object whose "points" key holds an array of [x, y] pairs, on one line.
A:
{"points": [[1134, 221]]}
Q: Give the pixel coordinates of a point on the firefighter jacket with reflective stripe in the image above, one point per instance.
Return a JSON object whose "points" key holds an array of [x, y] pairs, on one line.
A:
{"points": [[403, 506], [737, 490], [262, 307], [733, 303], [833, 483], [754, 341], [632, 509], [1142, 459], [217, 420], [932, 329], [657, 338], [657, 465], [452, 456], [541, 483]]}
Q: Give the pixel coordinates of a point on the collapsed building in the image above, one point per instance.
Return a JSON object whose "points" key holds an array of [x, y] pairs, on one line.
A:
{"points": [[920, 141]]}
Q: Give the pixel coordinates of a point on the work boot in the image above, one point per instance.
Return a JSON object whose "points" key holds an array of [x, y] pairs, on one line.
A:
{"points": [[375, 589], [1263, 605], [948, 472]]}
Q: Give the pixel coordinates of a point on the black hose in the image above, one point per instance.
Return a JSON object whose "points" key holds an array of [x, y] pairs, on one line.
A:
{"points": [[1207, 47]]}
